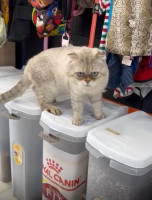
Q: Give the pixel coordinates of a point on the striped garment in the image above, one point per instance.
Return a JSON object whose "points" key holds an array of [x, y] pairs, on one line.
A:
{"points": [[104, 6]]}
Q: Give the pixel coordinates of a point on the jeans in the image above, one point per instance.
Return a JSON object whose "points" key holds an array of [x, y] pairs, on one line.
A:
{"points": [[120, 75]]}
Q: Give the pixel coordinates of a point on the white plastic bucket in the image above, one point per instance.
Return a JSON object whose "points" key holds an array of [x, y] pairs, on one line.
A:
{"points": [[26, 147], [65, 158], [120, 159], [9, 76]]}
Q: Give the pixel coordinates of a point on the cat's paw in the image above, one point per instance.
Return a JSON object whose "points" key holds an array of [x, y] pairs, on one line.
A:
{"points": [[54, 110], [102, 116], [77, 121]]}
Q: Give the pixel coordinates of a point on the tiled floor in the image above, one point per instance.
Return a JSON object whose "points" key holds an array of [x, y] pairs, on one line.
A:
{"points": [[6, 192]]}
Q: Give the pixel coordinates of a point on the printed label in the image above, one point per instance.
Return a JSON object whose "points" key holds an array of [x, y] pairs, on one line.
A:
{"points": [[17, 154], [52, 193], [63, 179], [126, 60], [112, 131], [52, 172]]}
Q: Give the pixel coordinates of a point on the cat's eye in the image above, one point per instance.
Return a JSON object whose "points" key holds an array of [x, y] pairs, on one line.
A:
{"points": [[94, 74], [80, 74]]}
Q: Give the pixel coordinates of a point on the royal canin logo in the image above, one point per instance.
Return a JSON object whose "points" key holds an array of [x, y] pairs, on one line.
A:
{"points": [[52, 171], [54, 166]]}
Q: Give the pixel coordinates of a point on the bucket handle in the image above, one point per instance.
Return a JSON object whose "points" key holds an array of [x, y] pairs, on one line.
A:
{"points": [[10, 116], [49, 137]]}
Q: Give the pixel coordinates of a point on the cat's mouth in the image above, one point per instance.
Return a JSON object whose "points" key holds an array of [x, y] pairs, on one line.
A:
{"points": [[87, 86]]}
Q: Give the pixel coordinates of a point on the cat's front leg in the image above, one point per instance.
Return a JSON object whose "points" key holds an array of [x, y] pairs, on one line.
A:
{"points": [[49, 107], [77, 106], [96, 105]]}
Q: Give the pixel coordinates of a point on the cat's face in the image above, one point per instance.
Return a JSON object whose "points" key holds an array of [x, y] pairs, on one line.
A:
{"points": [[88, 69], [86, 76]]}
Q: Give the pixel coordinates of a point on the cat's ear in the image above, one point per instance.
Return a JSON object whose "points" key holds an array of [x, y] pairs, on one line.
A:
{"points": [[73, 55]]}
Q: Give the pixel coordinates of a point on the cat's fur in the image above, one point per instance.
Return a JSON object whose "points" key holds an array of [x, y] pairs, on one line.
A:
{"points": [[54, 72]]}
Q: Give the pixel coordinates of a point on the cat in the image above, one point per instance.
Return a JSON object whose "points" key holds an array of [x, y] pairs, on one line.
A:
{"points": [[79, 71]]}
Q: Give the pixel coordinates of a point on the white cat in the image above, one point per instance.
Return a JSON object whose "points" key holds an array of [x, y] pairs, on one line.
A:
{"points": [[79, 71]]}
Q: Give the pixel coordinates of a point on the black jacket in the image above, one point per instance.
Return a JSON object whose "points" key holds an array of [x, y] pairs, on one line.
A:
{"points": [[20, 20]]}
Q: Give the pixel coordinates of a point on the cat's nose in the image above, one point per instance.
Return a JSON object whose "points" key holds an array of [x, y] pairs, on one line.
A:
{"points": [[87, 80]]}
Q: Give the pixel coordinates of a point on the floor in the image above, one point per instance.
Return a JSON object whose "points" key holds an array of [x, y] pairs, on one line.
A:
{"points": [[6, 192]]}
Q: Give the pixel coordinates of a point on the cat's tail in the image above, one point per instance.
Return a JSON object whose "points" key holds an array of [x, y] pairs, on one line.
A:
{"points": [[16, 91]]}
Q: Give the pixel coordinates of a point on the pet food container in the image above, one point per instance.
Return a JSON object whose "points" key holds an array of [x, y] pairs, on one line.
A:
{"points": [[9, 76], [9, 71], [26, 147], [120, 159], [65, 158]]}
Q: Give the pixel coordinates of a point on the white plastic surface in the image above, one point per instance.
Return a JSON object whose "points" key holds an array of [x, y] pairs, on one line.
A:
{"points": [[63, 124], [9, 70], [26, 104], [7, 82], [132, 143]]}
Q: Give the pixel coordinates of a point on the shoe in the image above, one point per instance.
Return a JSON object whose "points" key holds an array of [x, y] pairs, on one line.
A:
{"points": [[128, 91], [119, 94]]}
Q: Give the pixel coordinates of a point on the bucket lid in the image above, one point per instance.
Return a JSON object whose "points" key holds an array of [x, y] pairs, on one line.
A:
{"points": [[126, 139], [7, 82], [63, 127], [9, 70], [25, 106]]}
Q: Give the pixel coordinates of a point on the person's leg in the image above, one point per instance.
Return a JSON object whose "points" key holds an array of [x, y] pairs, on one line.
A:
{"points": [[114, 64], [127, 76]]}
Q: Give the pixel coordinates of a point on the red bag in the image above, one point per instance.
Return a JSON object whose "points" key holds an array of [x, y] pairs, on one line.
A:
{"points": [[144, 72]]}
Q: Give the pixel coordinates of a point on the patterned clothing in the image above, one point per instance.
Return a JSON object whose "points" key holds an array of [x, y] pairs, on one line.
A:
{"points": [[104, 7], [130, 28]]}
